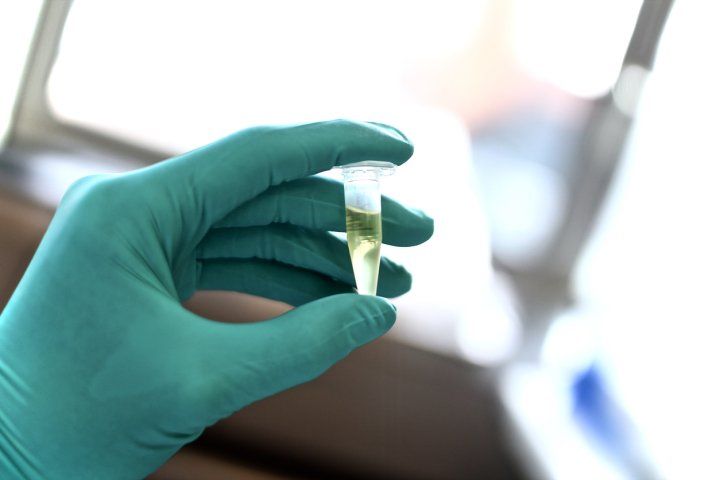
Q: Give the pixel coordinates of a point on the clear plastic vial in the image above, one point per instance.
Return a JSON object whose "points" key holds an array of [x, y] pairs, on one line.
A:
{"points": [[363, 220]]}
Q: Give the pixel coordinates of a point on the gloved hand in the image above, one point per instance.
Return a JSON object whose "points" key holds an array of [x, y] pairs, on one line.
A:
{"points": [[103, 373]]}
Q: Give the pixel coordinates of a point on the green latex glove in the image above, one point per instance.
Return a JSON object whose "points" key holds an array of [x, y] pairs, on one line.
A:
{"points": [[103, 373]]}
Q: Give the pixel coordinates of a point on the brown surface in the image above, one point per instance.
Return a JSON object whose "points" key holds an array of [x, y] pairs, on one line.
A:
{"points": [[387, 411], [192, 465], [22, 225]]}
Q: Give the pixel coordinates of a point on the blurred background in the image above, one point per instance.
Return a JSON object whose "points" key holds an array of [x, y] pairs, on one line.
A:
{"points": [[564, 319]]}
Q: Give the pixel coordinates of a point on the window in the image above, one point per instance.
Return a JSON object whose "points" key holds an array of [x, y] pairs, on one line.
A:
{"points": [[469, 81]]}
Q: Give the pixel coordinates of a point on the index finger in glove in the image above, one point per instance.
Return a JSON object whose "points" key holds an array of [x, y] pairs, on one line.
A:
{"points": [[221, 176]]}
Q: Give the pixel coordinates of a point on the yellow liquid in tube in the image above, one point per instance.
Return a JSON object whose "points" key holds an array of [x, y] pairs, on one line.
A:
{"points": [[364, 235]]}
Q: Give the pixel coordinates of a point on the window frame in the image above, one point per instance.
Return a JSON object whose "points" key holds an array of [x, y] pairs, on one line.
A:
{"points": [[33, 126]]}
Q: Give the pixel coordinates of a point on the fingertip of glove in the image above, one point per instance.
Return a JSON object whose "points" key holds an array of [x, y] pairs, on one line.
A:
{"points": [[376, 314], [396, 280], [389, 130], [426, 225], [384, 314], [404, 226], [392, 131], [385, 304]]}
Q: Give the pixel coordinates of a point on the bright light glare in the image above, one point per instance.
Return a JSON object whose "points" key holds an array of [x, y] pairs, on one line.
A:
{"points": [[523, 223], [578, 46], [628, 88], [652, 267], [570, 345], [178, 74], [451, 272], [489, 330]]}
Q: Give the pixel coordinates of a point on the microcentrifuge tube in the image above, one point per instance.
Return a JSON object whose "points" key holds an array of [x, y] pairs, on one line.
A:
{"points": [[363, 220]]}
